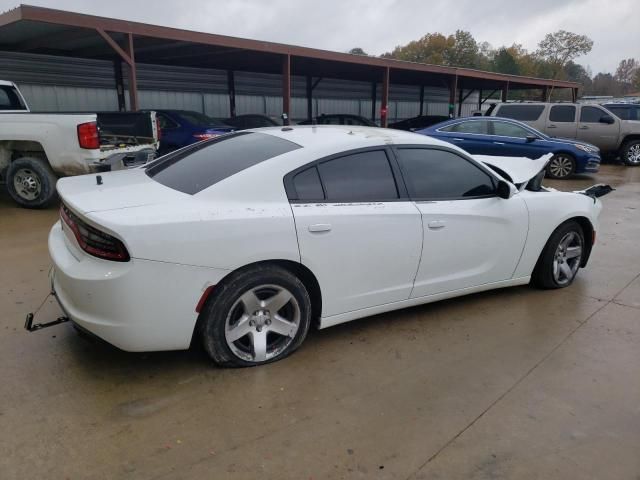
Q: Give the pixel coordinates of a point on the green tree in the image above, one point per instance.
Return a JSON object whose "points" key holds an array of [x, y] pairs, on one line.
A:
{"points": [[462, 51], [504, 62], [357, 51]]}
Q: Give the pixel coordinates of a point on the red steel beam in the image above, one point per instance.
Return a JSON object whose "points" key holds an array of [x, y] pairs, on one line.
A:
{"points": [[133, 76]]}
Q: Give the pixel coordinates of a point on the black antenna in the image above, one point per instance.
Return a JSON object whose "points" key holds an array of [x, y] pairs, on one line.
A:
{"points": [[99, 179]]}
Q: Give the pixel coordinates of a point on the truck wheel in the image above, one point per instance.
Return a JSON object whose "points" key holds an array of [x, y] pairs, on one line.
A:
{"points": [[630, 153], [561, 166], [31, 182]]}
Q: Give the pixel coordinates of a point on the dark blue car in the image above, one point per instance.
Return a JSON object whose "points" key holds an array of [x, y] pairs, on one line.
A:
{"points": [[510, 138], [180, 128]]}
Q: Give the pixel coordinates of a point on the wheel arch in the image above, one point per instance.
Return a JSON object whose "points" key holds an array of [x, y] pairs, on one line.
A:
{"points": [[587, 231], [302, 272]]}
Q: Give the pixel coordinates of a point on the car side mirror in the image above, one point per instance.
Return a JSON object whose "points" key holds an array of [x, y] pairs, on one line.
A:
{"points": [[505, 190], [531, 138], [608, 119]]}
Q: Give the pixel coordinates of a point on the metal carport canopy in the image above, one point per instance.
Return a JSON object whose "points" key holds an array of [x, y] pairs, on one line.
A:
{"points": [[50, 31]]}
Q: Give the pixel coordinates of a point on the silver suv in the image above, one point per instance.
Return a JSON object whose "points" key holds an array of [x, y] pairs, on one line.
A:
{"points": [[586, 122]]}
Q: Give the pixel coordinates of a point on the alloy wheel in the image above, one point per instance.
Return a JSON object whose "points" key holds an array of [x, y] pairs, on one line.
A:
{"points": [[561, 166], [262, 323], [567, 258], [27, 184], [633, 154]]}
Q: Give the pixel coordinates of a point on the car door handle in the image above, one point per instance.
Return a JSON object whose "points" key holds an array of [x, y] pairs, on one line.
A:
{"points": [[436, 224], [458, 139], [498, 143], [320, 227], [584, 127], [551, 126]]}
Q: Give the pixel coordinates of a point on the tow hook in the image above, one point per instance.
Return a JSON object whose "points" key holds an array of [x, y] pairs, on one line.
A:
{"points": [[32, 327]]}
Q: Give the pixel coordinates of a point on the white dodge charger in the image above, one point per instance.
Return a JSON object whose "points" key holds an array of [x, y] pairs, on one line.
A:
{"points": [[241, 242]]}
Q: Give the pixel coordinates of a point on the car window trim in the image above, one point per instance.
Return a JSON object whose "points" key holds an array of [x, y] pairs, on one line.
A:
{"points": [[533, 132], [401, 188], [475, 163]]}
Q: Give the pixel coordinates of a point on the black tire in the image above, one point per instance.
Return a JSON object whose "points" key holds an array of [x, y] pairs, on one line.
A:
{"points": [[225, 297], [630, 153], [561, 166], [543, 274], [39, 182]]}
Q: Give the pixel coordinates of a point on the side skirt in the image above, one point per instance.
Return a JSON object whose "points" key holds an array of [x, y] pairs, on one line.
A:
{"points": [[412, 302]]}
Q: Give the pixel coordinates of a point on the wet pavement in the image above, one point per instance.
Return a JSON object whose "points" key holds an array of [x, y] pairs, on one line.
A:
{"points": [[516, 383]]}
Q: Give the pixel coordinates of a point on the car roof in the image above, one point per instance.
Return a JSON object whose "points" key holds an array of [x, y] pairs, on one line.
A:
{"points": [[346, 136], [7, 83]]}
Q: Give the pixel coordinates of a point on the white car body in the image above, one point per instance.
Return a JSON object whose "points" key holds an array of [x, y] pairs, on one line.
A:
{"points": [[367, 257]]}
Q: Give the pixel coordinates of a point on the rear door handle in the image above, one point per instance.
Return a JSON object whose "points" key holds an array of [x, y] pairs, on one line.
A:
{"points": [[551, 126], [498, 143], [584, 127], [320, 227], [458, 139], [436, 224]]}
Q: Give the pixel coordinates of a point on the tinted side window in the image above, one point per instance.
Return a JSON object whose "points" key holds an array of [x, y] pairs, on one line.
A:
{"points": [[307, 185], [505, 129], [476, 126], [525, 113], [622, 112], [562, 114], [9, 99], [166, 123], [591, 114], [206, 163], [439, 175], [365, 176]]}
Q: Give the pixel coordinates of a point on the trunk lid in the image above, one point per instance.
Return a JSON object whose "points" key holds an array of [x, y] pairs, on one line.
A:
{"points": [[121, 189]]}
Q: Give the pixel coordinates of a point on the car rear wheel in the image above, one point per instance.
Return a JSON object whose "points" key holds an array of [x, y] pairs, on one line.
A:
{"points": [[631, 153], [257, 316], [31, 182], [561, 258], [561, 166]]}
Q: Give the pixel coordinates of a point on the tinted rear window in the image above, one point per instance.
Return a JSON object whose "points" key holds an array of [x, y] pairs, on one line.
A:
{"points": [[207, 163], [562, 114], [524, 113]]}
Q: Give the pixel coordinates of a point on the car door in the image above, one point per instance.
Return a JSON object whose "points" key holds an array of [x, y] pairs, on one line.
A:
{"points": [[357, 230], [472, 237], [562, 122], [470, 135], [513, 140], [171, 133], [592, 127]]}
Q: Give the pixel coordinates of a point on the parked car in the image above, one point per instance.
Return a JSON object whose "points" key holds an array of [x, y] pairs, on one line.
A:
{"points": [[184, 127], [589, 123], [304, 226], [418, 123], [252, 120], [37, 148], [506, 137], [340, 119], [624, 111]]}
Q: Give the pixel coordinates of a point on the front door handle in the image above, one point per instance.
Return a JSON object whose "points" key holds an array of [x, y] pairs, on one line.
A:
{"points": [[458, 139], [552, 126], [320, 227], [584, 127], [498, 143], [436, 224]]}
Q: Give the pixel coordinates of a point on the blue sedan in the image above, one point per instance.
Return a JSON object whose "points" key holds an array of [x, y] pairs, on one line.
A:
{"points": [[510, 138], [180, 128]]}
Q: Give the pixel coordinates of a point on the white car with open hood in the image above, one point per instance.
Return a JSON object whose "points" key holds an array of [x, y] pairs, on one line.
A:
{"points": [[244, 241]]}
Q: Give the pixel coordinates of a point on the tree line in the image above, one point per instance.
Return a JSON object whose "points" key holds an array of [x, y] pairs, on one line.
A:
{"points": [[555, 58]]}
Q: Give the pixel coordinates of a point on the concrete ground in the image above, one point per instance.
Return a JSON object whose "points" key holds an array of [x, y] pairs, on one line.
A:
{"points": [[517, 383]]}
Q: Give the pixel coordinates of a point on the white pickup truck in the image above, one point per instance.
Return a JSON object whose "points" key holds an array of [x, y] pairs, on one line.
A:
{"points": [[37, 148]]}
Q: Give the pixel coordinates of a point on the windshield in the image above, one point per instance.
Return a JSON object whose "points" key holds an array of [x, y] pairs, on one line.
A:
{"points": [[202, 120]]}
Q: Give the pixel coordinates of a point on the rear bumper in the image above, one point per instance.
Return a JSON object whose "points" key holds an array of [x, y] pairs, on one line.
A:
{"points": [[139, 305]]}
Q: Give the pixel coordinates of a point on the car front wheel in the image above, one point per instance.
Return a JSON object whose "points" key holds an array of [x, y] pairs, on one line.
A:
{"points": [[561, 258], [257, 316], [561, 166]]}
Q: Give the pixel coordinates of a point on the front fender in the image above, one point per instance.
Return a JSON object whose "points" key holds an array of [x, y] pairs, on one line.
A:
{"points": [[548, 209]]}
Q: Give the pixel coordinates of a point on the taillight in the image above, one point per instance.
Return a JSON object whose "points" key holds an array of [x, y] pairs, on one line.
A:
{"points": [[205, 136], [92, 240], [88, 135]]}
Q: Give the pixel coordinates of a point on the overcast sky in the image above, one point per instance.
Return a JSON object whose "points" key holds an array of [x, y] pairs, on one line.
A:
{"points": [[379, 25]]}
